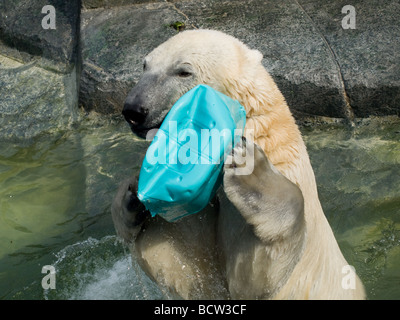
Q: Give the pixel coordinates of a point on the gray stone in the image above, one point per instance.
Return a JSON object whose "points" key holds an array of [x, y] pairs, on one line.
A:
{"points": [[21, 29], [94, 4], [114, 43], [38, 68], [368, 56], [34, 100], [321, 68]]}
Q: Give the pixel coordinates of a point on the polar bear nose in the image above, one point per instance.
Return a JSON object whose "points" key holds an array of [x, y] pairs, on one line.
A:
{"points": [[134, 113]]}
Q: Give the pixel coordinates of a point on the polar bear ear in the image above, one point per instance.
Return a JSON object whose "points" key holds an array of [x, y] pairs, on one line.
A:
{"points": [[254, 56]]}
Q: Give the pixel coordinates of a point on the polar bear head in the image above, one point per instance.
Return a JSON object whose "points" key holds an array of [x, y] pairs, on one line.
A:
{"points": [[184, 61], [229, 66]]}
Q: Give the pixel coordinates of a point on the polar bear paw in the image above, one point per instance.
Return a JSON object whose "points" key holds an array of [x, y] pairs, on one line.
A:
{"points": [[264, 197]]}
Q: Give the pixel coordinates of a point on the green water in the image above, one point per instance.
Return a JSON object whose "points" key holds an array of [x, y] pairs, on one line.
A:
{"points": [[358, 176], [56, 191]]}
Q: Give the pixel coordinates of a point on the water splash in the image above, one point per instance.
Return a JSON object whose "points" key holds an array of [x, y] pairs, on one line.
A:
{"points": [[99, 270]]}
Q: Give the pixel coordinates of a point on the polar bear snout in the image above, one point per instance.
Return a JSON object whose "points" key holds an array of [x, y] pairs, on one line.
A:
{"points": [[134, 112], [149, 101]]}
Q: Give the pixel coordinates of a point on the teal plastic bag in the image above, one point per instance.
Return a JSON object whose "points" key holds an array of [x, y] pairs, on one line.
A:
{"points": [[183, 165]]}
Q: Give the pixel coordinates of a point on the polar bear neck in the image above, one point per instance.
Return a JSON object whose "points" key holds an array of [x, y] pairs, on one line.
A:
{"points": [[269, 122]]}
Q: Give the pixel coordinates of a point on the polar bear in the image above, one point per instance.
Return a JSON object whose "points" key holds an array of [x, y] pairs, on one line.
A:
{"points": [[265, 235]]}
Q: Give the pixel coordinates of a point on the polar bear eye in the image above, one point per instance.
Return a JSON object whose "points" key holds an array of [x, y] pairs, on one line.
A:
{"points": [[184, 74]]}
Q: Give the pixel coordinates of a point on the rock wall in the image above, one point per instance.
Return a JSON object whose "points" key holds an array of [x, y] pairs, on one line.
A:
{"points": [[94, 56], [39, 73]]}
